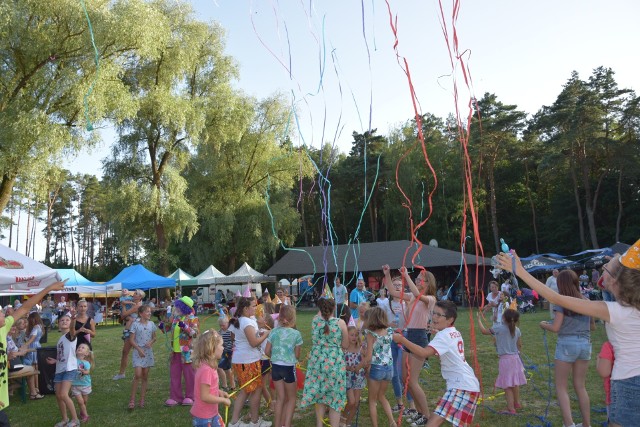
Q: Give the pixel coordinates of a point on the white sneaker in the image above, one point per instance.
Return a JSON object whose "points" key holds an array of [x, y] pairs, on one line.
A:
{"points": [[117, 377], [240, 424], [262, 423]]}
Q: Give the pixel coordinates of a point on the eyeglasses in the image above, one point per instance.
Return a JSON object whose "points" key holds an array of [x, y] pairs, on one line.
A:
{"points": [[604, 268], [434, 314]]}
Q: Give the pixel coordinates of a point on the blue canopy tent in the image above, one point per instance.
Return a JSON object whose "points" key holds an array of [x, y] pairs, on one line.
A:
{"points": [[138, 277]]}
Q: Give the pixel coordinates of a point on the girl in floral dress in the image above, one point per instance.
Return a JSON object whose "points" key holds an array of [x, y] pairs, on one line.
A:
{"points": [[325, 383], [355, 374]]}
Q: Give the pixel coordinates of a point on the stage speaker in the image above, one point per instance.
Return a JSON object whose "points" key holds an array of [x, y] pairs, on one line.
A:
{"points": [[47, 372]]}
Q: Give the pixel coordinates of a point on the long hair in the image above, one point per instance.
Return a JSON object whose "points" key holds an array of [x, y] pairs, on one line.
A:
{"points": [[287, 316], [511, 318], [326, 307], [377, 319], [243, 304], [204, 348], [358, 340], [628, 280], [33, 320], [569, 285]]}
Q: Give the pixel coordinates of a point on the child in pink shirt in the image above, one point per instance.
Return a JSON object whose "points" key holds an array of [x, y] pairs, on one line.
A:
{"points": [[207, 395], [604, 367]]}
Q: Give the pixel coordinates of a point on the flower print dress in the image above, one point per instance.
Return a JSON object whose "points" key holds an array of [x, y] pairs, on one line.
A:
{"points": [[355, 380], [326, 378]]}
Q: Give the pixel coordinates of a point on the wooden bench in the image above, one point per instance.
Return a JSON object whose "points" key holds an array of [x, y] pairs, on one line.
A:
{"points": [[22, 375]]}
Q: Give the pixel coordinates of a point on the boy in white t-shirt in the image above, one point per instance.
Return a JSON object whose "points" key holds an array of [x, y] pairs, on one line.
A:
{"points": [[458, 405]]}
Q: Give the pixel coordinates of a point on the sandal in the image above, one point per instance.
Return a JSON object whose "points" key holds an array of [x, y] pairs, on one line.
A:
{"points": [[132, 404], [36, 396]]}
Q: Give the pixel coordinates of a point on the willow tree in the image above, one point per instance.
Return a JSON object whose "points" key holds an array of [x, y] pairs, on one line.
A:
{"points": [[48, 66], [175, 88], [242, 183]]}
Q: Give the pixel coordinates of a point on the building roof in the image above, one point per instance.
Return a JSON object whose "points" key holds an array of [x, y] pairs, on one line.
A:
{"points": [[367, 257]]}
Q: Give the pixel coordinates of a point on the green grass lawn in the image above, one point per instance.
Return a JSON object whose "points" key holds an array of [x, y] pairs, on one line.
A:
{"points": [[108, 402]]}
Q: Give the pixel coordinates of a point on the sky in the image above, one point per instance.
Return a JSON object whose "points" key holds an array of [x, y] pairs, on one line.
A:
{"points": [[335, 60]]}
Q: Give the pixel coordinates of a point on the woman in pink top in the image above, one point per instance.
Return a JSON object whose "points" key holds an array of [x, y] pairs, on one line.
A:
{"points": [[207, 395], [420, 301]]}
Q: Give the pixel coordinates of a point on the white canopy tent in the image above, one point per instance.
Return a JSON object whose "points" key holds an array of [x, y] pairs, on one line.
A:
{"points": [[245, 274], [209, 276], [21, 273]]}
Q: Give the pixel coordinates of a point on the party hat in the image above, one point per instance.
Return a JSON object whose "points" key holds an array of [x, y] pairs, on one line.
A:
{"points": [[327, 292], [247, 292], [276, 300], [238, 294], [360, 277], [351, 321], [266, 298], [631, 258], [260, 310]]}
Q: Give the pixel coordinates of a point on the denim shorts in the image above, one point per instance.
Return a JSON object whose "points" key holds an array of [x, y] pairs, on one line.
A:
{"points": [[66, 376], [283, 372], [381, 373], [225, 361], [625, 401], [417, 336], [570, 348], [207, 422]]}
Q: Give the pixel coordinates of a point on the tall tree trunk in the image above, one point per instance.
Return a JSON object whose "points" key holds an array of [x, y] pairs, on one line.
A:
{"points": [[492, 206], [576, 195], [73, 245], [590, 202], [27, 239], [6, 188], [620, 206], [532, 205]]}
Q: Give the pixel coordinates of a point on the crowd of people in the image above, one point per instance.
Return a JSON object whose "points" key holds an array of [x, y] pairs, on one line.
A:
{"points": [[358, 339]]}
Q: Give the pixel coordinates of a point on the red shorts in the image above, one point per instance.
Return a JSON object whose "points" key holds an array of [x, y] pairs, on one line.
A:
{"points": [[457, 406]]}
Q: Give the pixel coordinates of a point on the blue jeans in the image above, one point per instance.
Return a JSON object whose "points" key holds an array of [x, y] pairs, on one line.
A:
{"points": [[398, 366], [570, 348], [207, 422], [625, 401], [381, 373], [396, 381]]}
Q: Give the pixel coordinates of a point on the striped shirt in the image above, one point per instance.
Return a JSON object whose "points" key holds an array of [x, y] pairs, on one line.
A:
{"points": [[227, 341]]}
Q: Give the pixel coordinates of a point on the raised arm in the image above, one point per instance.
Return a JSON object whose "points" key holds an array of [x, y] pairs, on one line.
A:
{"points": [[386, 281], [427, 299], [484, 330], [597, 309]]}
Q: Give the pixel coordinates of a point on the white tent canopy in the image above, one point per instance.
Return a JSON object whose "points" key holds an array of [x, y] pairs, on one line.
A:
{"points": [[21, 273], [245, 274], [209, 276]]}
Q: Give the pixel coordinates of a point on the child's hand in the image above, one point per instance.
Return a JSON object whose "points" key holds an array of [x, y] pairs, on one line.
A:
{"points": [[397, 338], [385, 268], [403, 270], [141, 352], [226, 401], [51, 361], [223, 393]]}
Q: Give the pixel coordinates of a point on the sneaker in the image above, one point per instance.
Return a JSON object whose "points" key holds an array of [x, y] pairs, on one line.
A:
{"points": [[409, 414], [397, 408], [62, 423], [73, 423], [262, 423], [420, 420], [187, 402], [117, 377], [240, 424]]}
